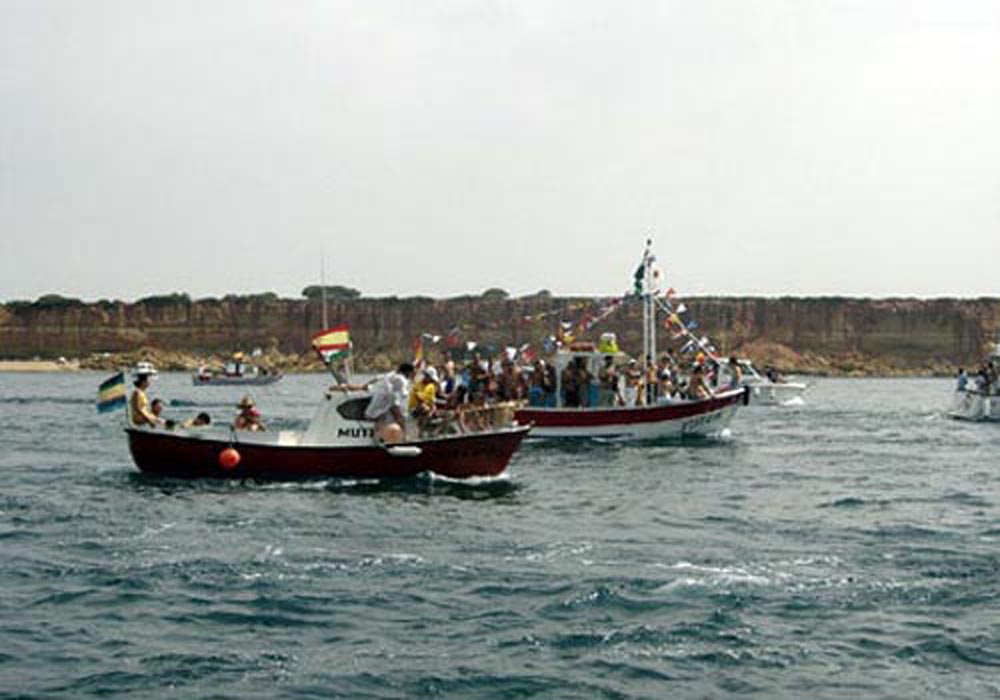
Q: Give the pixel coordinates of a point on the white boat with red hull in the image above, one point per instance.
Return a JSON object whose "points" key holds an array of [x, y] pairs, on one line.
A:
{"points": [[339, 442], [666, 418], [675, 419]]}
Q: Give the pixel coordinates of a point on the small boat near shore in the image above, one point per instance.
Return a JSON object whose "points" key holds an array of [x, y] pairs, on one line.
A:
{"points": [[339, 442], [767, 389], [235, 373], [977, 398]]}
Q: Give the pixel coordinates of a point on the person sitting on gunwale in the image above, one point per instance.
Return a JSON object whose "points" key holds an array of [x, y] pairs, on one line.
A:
{"points": [[249, 417], [139, 409]]}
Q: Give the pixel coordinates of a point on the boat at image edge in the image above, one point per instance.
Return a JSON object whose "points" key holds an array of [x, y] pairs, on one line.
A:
{"points": [[972, 404]]}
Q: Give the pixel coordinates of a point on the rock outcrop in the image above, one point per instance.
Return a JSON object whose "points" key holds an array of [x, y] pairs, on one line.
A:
{"points": [[821, 335]]}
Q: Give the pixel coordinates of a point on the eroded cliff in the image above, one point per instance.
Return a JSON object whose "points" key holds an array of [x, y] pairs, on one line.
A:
{"points": [[827, 335]]}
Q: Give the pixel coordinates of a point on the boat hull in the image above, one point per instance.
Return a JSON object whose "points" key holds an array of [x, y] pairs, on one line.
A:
{"points": [[688, 419], [187, 456], [974, 406], [775, 393], [235, 381]]}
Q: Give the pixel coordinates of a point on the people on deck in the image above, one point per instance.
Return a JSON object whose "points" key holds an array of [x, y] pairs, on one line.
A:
{"points": [[542, 389], [389, 400], [650, 379], [157, 409], [576, 384], [200, 420], [633, 393], [607, 377], [139, 410], [249, 417], [665, 379], [570, 387], [478, 378], [423, 396], [697, 387], [735, 373], [961, 380]]}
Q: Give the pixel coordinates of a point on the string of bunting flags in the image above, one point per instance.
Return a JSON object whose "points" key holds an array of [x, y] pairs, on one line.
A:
{"points": [[568, 331]]}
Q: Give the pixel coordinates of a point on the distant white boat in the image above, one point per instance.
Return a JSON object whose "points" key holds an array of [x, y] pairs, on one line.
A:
{"points": [[970, 404], [765, 389], [978, 401]]}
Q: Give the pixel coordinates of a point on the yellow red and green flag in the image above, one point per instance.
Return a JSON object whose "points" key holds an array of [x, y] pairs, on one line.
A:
{"points": [[333, 343]]}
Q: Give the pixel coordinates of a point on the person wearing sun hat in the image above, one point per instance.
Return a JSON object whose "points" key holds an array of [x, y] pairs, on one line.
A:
{"points": [[249, 417], [139, 410]]}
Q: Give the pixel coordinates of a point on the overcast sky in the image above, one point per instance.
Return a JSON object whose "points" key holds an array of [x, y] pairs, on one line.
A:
{"points": [[778, 147]]}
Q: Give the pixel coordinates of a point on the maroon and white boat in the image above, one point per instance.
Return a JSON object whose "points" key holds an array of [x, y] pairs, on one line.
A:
{"points": [[666, 418], [339, 442]]}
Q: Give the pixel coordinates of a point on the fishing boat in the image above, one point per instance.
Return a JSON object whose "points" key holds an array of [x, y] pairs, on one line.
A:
{"points": [[978, 399], [339, 442], [766, 389], [658, 418], [236, 372], [667, 418]]}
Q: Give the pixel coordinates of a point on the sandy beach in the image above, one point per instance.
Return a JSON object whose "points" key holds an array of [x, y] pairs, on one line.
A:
{"points": [[39, 366]]}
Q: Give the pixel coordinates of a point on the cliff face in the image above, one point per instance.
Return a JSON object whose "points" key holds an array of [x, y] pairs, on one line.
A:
{"points": [[819, 334]]}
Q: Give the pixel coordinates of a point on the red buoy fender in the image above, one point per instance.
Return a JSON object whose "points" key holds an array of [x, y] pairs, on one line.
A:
{"points": [[229, 458]]}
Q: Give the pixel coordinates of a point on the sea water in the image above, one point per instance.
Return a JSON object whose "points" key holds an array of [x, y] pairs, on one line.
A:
{"points": [[846, 547]]}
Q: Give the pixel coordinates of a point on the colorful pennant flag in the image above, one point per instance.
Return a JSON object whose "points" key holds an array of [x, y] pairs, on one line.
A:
{"points": [[111, 393], [333, 343]]}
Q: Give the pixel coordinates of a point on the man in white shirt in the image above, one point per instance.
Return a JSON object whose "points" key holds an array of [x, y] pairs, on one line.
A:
{"points": [[390, 395]]}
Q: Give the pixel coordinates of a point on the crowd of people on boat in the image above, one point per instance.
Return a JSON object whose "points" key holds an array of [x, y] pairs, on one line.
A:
{"points": [[483, 391], [146, 413], [453, 397], [984, 381]]}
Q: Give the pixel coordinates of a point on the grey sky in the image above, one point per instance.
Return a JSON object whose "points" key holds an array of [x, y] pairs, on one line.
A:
{"points": [[779, 147]]}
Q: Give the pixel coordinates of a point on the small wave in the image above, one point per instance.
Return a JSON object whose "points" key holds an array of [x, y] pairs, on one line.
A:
{"points": [[32, 400], [855, 502], [944, 648]]}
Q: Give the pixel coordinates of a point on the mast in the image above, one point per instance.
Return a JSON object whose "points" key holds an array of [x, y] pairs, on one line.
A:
{"points": [[652, 303], [648, 310], [322, 285]]}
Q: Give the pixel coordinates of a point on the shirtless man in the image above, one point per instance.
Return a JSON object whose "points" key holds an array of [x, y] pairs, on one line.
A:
{"points": [[633, 384], [697, 388]]}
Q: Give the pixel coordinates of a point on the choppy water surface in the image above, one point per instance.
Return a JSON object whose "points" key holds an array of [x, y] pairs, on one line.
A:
{"points": [[848, 547]]}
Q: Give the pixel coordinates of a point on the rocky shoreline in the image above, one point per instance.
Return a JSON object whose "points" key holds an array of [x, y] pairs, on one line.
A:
{"points": [[784, 359]]}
